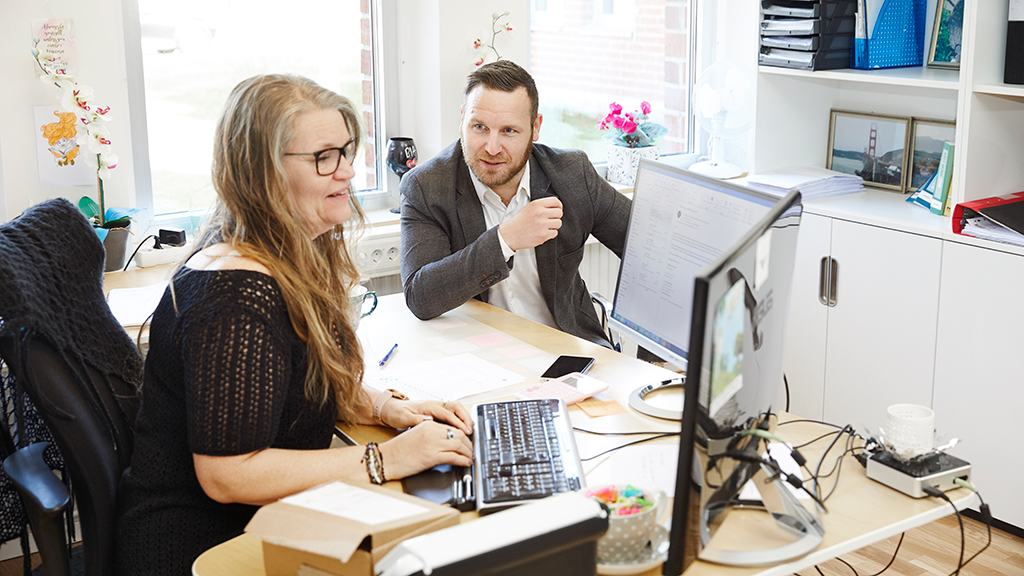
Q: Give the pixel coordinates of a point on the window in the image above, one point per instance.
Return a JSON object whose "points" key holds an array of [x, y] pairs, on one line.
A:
{"points": [[595, 52], [195, 51]]}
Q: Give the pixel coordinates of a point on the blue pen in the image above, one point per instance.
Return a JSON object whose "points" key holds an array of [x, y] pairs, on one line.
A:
{"points": [[388, 355]]}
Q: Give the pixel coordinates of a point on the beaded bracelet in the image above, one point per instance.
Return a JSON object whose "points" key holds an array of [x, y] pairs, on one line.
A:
{"points": [[374, 463]]}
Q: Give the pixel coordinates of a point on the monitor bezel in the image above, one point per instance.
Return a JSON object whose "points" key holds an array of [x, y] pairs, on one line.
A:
{"points": [[673, 565]]}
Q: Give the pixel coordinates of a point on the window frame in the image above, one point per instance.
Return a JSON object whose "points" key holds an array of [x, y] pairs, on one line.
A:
{"points": [[384, 73]]}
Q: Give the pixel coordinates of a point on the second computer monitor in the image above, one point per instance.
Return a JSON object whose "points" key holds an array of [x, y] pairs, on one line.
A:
{"points": [[680, 222]]}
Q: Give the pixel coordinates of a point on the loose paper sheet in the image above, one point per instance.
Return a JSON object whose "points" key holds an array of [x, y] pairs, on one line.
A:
{"points": [[651, 467], [131, 306], [353, 503], [448, 378]]}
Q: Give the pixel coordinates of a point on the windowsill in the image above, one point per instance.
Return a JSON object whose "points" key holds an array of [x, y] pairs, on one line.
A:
{"points": [[380, 218]]}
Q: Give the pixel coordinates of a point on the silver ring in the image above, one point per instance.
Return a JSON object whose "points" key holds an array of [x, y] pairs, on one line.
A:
{"points": [[450, 433]]}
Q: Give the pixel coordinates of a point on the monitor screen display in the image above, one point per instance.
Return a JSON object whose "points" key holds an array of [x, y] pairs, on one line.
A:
{"points": [[680, 222]]}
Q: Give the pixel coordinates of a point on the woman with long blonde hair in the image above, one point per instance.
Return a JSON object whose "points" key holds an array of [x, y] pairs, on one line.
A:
{"points": [[252, 354]]}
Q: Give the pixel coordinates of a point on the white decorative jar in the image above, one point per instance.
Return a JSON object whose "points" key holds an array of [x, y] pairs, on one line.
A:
{"points": [[624, 161]]}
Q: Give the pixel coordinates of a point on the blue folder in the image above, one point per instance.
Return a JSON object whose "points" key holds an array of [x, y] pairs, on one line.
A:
{"points": [[897, 34]]}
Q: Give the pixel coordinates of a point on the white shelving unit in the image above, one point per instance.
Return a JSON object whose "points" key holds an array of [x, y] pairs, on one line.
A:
{"points": [[913, 320]]}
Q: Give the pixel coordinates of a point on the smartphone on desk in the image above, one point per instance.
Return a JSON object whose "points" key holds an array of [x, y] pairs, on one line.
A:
{"points": [[567, 365]]}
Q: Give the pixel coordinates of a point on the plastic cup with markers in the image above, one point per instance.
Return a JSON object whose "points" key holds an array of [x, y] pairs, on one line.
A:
{"points": [[633, 526]]}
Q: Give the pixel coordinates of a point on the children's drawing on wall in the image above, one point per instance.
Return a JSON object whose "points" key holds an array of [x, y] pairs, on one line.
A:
{"points": [[58, 147]]}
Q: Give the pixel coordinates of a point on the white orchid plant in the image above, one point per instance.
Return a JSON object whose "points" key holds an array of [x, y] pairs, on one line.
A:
{"points": [[77, 99], [497, 27]]}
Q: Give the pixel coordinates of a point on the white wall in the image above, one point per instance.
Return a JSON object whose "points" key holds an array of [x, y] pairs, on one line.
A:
{"points": [[435, 55], [100, 46]]}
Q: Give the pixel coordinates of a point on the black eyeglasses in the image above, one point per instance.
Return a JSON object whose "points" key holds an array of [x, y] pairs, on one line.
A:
{"points": [[328, 161]]}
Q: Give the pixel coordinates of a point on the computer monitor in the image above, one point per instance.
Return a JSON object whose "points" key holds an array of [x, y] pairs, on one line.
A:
{"points": [[738, 315], [680, 222]]}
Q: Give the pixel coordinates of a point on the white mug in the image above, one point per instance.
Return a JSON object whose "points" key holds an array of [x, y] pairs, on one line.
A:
{"points": [[910, 430], [358, 296]]}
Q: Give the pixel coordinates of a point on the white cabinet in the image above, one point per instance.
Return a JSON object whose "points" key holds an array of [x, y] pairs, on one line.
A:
{"points": [[918, 309], [881, 326], [804, 363], [979, 369], [862, 321]]}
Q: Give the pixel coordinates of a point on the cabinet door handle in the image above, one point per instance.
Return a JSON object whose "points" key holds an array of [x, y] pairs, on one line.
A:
{"points": [[823, 279], [833, 282]]}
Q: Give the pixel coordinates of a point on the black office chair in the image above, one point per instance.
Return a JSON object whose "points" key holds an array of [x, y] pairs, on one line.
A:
{"points": [[73, 366]]}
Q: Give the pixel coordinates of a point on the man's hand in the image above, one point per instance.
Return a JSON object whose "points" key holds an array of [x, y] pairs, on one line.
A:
{"points": [[534, 225]]}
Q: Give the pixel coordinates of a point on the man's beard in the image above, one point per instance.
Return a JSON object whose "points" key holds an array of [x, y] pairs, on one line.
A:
{"points": [[493, 178]]}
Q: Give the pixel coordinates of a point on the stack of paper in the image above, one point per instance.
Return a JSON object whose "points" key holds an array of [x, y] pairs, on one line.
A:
{"points": [[811, 181], [981, 227], [999, 218]]}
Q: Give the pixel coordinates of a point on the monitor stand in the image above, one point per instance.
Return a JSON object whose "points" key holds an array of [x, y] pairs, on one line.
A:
{"points": [[789, 514], [637, 402]]}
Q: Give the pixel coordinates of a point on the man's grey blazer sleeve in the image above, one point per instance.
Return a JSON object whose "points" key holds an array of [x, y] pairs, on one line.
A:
{"points": [[439, 271], [611, 211]]}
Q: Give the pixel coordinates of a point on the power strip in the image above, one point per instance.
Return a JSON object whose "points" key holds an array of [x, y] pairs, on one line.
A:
{"points": [[936, 471], [147, 257]]}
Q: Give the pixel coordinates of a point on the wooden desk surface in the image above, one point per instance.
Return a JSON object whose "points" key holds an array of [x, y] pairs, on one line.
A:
{"points": [[851, 522]]}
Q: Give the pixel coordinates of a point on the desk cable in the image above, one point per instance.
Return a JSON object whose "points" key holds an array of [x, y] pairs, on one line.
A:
{"points": [[986, 515], [656, 436], [864, 450], [155, 245]]}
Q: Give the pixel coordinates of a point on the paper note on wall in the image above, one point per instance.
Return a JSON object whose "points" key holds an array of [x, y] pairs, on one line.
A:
{"points": [[60, 149], [56, 37]]}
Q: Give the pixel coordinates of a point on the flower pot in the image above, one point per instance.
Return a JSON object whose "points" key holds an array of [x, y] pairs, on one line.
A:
{"points": [[115, 244], [623, 162]]}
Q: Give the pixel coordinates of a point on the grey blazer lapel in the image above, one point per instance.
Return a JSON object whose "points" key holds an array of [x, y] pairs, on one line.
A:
{"points": [[547, 253], [468, 207]]}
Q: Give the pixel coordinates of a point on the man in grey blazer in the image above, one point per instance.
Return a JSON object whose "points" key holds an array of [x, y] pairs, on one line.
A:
{"points": [[497, 218]]}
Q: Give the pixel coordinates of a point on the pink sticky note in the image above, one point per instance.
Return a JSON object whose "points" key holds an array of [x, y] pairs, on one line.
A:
{"points": [[489, 339]]}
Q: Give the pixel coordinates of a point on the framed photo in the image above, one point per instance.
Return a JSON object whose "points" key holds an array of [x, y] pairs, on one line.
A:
{"points": [[947, 34], [871, 146], [926, 139]]}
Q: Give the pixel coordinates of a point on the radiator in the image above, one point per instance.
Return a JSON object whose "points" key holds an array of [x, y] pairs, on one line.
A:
{"points": [[599, 269]]}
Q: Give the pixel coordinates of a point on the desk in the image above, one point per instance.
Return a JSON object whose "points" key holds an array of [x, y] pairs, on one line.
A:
{"points": [[860, 513]]}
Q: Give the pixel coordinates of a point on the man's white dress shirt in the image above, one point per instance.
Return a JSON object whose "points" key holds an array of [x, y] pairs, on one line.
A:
{"points": [[519, 293]]}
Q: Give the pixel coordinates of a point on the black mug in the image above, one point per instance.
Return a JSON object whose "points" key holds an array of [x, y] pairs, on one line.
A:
{"points": [[401, 157]]}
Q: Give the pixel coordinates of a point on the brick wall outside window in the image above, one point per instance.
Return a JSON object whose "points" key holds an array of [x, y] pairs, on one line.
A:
{"points": [[643, 60], [369, 145]]}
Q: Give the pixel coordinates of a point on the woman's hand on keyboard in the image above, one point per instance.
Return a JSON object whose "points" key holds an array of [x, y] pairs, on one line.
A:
{"points": [[406, 414], [424, 446]]}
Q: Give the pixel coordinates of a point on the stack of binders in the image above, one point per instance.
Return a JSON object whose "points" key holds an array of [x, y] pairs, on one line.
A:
{"points": [[807, 34]]}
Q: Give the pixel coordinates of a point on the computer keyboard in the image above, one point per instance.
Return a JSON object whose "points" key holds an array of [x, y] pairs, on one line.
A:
{"points": [[525, 450]]}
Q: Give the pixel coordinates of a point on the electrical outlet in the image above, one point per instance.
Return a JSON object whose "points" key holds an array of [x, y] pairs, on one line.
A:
{"points": [[378, 252]]}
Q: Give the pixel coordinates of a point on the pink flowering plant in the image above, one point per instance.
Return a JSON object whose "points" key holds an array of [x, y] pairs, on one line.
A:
{"points": [[631, 129]]}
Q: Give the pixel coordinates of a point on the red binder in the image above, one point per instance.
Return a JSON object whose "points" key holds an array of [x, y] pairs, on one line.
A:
{"points": [[1006, 210]]}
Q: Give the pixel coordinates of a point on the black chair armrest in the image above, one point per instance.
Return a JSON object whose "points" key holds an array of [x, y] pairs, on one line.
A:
{"points": [[45, 498]]}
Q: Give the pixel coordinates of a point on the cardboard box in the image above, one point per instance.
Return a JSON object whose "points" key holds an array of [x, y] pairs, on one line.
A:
{"points": [[341, 528]]}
